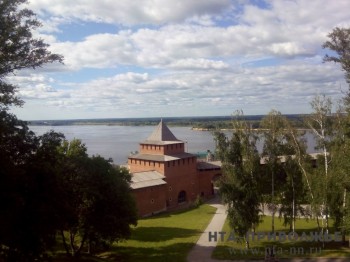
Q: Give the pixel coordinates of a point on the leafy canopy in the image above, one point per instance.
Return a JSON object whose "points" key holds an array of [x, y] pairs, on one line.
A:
{"points": [[18, 48]]}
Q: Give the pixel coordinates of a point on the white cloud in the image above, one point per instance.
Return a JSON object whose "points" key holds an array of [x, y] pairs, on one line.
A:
{"points": [[36, 86], [217, 91], [130, 12], [173, 46], [210, 57], [202, 64], [285, 30]]}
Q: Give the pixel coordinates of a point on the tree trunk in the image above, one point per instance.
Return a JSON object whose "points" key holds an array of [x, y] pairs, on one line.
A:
{"points": [[293, 208], [247, 244], [297, 147], [72, 247], [326, 174], [77, 253], [273, 202], [318, 222], [343, 228], [65, 243]]}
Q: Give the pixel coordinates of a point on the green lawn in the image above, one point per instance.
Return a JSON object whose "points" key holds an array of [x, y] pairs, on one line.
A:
{"points": [[229, 249], [167, 237]]}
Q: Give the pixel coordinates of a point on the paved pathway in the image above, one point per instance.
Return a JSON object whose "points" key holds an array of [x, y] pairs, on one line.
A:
{"points": [[203, 249]]}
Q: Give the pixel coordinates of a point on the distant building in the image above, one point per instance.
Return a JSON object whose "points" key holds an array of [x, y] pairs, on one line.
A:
{"points": [[165, 177]]}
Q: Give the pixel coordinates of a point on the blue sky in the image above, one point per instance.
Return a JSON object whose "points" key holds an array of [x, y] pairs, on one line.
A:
{"points": [[163, 58]]}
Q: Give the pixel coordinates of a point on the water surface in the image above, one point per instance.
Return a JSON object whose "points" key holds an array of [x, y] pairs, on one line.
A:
{"points": [[117, 142]]}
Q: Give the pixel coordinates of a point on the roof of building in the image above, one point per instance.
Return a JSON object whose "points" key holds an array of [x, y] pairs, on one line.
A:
{"points": [[161, 158], [283, 159], [161, 136], [212, 165], [146, 179]]}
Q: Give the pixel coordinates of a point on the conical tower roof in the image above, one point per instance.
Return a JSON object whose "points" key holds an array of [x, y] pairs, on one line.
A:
{"points": [[161, 135]]}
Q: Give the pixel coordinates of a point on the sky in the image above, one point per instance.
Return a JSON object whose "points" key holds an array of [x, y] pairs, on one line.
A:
{"points": [[161, 58]]}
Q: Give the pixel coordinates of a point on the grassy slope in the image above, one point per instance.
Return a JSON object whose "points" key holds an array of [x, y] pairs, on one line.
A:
{"points": [[167, 237], [286, 249]]}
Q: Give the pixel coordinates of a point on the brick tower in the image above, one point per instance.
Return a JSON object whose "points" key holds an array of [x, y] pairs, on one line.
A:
{"points": [[164, 175]]}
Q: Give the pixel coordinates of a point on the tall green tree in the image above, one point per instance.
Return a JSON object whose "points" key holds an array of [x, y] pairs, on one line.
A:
{"points": [[25, 189], [46, 183], [296, 168], [319, 122], [29, 200], [239, 184], [273, 126], [293, 193], [98, 204], [18, 49], [339, 42], [339, 178]]}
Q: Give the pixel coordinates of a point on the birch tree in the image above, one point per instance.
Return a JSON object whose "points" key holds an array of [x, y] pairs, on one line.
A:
{"points": [[239, 186], [274, 147], [340, 171], [319, 122], [339, 42]]}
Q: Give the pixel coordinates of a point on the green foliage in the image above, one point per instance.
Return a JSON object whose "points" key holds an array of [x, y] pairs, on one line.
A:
{"points": [[284, 154], [96, 195], [293, 193], [46, 183], [198, 201], [274, 146], [18, 48], [239, 185], [28, 198], [339, 42], [339, 180], [27, 179]]}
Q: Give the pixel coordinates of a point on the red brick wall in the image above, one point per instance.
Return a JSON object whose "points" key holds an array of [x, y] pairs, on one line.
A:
{"points": [[181, 175], [136, 165], [162, 149], [151, 149], [205, 178], [173, 149], [150, 200]]}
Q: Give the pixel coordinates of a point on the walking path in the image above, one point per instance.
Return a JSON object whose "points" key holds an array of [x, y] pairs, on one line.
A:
{"points": [[204, 248]]}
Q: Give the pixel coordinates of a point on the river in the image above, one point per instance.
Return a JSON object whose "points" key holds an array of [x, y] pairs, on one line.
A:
{"points": [[117, 142]]}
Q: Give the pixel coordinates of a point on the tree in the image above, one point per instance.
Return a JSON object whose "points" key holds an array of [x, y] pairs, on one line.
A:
{"points": [[339, 43], [25, 185], [239, 185], [98, 204], [18, 48], [293, 192], [28, 198], [274, 147], [295, 167], [339, 180], [319, 123]]}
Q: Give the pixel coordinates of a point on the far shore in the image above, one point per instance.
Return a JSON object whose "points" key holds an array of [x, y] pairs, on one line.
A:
{"points": [[231, 129]]}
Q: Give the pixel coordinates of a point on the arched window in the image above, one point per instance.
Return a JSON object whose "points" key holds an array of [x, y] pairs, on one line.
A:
{"points": [[181, 197]]}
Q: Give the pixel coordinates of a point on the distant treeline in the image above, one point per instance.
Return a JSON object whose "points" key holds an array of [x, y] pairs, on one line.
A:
{"points": [[254, 121], [203, 122]]}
